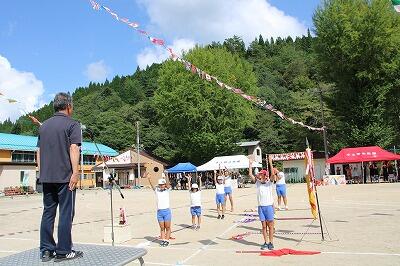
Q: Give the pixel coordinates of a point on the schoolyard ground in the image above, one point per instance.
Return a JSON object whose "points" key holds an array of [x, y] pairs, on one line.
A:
{"points": [[362, 226]]}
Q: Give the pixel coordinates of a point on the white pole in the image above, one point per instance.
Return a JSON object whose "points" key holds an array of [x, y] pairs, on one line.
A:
{"points": [[83, 127], [138, 153]]}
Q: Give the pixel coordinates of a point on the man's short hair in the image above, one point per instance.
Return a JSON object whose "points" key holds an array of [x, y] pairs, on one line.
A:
{"points": [[61, 101]]}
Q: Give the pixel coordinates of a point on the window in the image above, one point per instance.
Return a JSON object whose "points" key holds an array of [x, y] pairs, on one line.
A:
{"points": [[24, 178], [23, 157], [258, 152], [89, 160], [292, 175], [88, 176]]}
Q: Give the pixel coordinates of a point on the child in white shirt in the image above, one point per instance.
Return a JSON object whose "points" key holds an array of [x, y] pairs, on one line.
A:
{"points": [[163, 208], [265, 205], [195, 203], [220, 195]]}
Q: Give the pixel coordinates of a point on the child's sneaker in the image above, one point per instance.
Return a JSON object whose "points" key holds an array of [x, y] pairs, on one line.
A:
{"points": [[166, 243], [286, 208], [194, 226], [264, 246], [198, 228], [219, 216], [223, 216], [270, 246], [162, 243]]}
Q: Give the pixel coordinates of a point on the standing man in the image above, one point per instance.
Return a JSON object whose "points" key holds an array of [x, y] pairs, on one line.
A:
{"points": [[58, 159]]}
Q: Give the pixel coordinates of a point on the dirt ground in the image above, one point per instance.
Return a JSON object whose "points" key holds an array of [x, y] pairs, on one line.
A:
{"points": [[361, 224]]}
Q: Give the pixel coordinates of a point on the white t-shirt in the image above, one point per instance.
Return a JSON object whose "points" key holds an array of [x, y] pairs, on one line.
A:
{"points": [[162, 198], [281, 181], [264, 193], [228, 181], [220, 188], [195, 198]]}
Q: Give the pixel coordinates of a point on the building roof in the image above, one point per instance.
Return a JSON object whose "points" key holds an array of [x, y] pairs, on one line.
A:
{"points": [[28, 143], [249, 143]]}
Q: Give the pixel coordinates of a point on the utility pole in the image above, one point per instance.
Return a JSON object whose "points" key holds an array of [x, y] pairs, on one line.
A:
{"points": [[324, 131], [138, 153], [83, 127], [323, 123]]}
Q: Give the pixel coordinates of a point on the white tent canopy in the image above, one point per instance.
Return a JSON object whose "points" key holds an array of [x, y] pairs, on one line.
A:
{"points": [[227, 162]]}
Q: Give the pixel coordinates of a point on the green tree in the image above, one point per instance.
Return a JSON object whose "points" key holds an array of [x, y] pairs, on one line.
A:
{"points": [[234, 45], [358, 45], [203, 119]]}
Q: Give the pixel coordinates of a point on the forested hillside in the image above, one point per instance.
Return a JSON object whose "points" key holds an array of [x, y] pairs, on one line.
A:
{"points": [[351, 64]]}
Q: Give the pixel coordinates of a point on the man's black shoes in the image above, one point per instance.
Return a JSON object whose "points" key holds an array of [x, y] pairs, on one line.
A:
{"points": [[69, 256], [47, 256]]}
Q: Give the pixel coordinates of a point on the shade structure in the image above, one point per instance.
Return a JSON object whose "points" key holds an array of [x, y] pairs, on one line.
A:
{"points": [[182, 168], [363, 154], [227, 162]]}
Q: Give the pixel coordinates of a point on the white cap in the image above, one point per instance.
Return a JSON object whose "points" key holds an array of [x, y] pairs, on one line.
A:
{"points": [[162, 181], [220, 178], [195, 186]]}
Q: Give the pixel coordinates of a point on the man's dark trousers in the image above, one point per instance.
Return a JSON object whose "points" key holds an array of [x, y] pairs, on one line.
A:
{"points": [[57, 194]]}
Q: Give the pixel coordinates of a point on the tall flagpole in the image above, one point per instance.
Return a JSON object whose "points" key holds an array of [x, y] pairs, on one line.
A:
{"points": [[311, 174]]}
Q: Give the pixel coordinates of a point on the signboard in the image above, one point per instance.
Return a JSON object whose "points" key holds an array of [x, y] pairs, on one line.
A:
{"points": [[287, 156]]}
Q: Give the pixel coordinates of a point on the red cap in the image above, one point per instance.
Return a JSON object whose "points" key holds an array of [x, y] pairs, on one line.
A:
{"points": [[263, 172]]}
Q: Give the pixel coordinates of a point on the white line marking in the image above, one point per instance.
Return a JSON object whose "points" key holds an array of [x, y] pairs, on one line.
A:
{"points": [[356, 207], [143, 244], [368, 204], [9, 251], [361, 253], [16, 238], [159, 263], [204, 247]]}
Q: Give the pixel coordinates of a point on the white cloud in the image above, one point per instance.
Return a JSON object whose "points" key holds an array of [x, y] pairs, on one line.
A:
{"points": [[18, 85], [97, 71], [157, 54], [204, 21]]}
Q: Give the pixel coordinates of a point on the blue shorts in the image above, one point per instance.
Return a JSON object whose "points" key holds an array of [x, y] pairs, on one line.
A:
{"points": [[266, 213], [195, 211], [164, 215], [220, 198], [281, 190], [228, 190]]}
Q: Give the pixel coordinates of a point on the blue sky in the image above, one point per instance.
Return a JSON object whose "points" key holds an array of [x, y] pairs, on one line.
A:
{"points": [[65, 44]]}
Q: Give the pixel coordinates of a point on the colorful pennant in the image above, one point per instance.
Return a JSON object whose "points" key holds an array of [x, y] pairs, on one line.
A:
{"points": [[202, 74]]}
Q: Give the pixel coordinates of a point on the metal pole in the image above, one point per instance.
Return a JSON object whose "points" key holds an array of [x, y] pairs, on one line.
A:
{"points": [[395, 164], [112, 214], [319, 212], [324, 131], [138, 152], [323, 123], [83, 127]]}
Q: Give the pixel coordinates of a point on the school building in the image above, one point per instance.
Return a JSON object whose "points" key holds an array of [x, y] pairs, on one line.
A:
{"points": [[18, 161], [294, 166], [125, 167]]}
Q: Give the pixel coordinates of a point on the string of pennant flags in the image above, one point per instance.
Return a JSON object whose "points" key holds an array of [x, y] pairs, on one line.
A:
{"points": [[202, 74], [193, 69]]}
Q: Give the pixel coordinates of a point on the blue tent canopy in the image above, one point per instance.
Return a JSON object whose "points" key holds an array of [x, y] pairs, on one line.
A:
{"points": [[183, 167]]}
